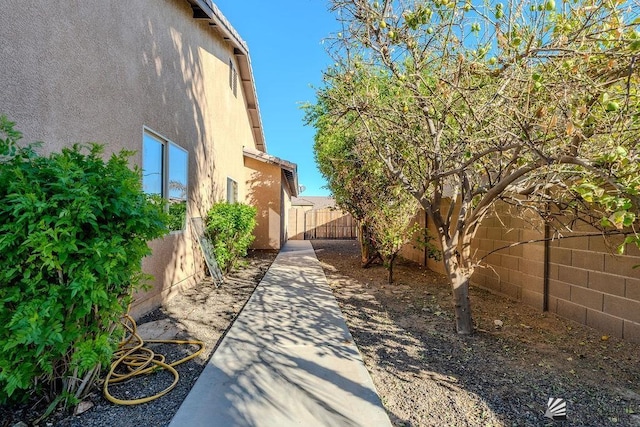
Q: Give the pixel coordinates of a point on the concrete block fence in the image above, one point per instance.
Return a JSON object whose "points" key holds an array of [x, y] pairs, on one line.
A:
{"points": [[578, 277]]}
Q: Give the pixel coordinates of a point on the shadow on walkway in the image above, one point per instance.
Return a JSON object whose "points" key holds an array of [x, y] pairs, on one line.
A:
{"points": [[289, 359]]}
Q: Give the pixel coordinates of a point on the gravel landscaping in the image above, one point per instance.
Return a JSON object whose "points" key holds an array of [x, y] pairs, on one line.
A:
{"points": [[202, 313], [425, 373]]}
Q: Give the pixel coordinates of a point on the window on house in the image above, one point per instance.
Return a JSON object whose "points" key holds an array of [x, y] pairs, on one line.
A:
{"points": [[165, 174], [233, 78], [232, 191], [152, 165]]}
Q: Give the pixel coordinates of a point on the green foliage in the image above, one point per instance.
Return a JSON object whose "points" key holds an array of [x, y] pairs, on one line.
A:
{"points": [[73, 232], [9, 138], [423, 239], [533, 105], [230, 228], [362, 185], [177, 215], [614, 197]]}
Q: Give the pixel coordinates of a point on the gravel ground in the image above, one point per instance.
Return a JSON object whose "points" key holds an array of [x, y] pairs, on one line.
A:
{"points": [[427, 375], [202, 313]]}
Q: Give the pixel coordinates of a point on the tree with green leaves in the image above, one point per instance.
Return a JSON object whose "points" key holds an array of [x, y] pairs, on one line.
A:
{"points": [[362, 185], [531, 104]]}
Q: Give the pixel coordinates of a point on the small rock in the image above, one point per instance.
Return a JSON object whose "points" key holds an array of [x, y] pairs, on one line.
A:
{"points": [[629, 395], [83, 407], [20, 424], [498, 324]]}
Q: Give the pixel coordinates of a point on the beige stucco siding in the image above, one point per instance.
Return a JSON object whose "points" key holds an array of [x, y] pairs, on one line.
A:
{"points": [[286, 207], [264, 186], [103, 71]]}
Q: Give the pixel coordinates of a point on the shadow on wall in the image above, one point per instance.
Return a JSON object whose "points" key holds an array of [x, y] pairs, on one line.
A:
{"points": [[264, 193], [176, 73]]}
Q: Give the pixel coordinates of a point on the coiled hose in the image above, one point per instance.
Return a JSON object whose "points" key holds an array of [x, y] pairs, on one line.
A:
{"points": [[135, 359]]}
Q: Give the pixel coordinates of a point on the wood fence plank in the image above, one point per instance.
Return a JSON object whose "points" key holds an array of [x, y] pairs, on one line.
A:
{"points": [[325, 224]]}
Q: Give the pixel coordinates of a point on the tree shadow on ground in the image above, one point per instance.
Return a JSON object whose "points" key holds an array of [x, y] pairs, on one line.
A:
{"points": [[288, 357], [204, 312], [428, 375]]}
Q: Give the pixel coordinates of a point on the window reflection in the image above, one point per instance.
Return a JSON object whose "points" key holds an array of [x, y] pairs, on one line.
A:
{"points": [[165, 173], [177, 173], [178, 163], [152, 165]]}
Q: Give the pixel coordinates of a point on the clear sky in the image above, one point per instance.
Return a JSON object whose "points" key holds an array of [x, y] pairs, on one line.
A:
{"points": [[288, 57]]}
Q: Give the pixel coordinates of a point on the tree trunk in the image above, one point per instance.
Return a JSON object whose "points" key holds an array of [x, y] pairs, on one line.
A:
{"points": [[459, 279], [365, 246], [376, 256], [462, 305], [390, 268]]}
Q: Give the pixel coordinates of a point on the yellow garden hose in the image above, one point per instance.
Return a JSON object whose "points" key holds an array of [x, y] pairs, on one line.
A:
{"points": [[139, 360]]}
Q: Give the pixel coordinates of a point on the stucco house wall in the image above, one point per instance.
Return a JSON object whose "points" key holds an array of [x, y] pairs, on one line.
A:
{"points": [[271, 182], [286, 203], [264, 191], [110, 71]]}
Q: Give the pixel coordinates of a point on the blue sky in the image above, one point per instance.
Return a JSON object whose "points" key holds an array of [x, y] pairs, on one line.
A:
{"points": [[288, 57]]}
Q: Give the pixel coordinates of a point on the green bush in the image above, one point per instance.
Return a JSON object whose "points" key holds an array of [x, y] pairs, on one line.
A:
{"points": [[73, 232], [230, 228]]}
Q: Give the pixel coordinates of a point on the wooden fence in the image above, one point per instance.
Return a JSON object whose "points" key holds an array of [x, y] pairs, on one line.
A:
{"points": [[321, 224]]}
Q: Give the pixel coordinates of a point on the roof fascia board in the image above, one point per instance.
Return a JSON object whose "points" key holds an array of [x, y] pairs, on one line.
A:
{"points": [[268, 158]]}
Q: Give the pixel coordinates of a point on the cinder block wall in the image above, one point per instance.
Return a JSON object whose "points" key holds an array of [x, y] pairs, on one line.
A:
{"points": [[590, 285], [587, 282], [513, 271], [413, 251]]}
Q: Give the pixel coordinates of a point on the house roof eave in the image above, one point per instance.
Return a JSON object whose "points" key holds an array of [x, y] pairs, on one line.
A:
{"points": [[208, 11], [289, 169]]}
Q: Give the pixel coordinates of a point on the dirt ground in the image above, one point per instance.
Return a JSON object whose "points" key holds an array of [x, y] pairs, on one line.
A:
{"points": [[427, 375]]}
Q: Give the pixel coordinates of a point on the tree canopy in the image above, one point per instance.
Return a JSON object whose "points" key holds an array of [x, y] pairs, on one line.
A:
{"points": [[535, 105], [362, 185]]}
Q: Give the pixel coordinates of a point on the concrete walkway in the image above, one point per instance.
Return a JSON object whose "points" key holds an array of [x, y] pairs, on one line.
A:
{"points": [[288, 360]]}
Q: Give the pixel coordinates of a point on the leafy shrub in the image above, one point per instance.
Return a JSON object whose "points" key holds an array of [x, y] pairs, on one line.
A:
{"points": [[230, 228], [73, 232]]}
